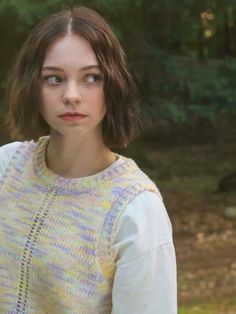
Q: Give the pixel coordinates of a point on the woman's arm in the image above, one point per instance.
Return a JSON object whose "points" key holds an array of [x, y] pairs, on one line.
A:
{"points": [[145, 279]]}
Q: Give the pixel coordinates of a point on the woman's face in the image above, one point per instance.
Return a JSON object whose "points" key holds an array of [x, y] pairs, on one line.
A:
{"points": [[72, 97]]}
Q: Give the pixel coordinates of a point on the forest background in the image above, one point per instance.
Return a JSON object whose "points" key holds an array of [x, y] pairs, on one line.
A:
{"points": [[183, 56]]}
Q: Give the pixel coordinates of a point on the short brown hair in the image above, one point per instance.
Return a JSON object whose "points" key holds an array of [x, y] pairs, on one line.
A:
{"points": [[121, 122]]}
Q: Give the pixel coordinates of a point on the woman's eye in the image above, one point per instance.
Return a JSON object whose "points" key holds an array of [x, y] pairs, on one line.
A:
{"points": [[53, 79], [93, 78]]}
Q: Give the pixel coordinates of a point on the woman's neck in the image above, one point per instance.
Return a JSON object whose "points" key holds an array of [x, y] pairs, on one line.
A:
{"points": [[74, 158]]}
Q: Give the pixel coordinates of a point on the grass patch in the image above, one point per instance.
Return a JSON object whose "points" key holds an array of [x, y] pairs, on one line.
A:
{"points": [[193, 184], [197, 307], [197, 310]]}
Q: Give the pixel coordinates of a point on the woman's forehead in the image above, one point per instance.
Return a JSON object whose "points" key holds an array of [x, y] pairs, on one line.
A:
{"points": [[70, 49]]}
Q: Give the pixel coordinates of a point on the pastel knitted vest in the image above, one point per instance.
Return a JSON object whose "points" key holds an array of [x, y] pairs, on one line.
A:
{"points": [[57, 234]]}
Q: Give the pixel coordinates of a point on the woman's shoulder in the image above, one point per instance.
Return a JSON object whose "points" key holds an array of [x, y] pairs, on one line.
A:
{"points": [[148, 207], [7, 151], [138, 179]]}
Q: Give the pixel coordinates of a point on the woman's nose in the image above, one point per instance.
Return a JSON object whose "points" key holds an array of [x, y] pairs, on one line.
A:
{"points": [[71, 94]]}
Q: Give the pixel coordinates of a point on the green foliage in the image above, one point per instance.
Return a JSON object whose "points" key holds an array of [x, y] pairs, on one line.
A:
{"points": [[182, 89], [27, 11]]}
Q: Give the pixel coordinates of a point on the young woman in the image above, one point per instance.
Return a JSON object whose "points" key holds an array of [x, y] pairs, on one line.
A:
{"points": [[82, 229]]}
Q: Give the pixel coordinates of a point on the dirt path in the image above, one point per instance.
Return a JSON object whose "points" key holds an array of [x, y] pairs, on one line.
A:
{"points": [[205, 244]]}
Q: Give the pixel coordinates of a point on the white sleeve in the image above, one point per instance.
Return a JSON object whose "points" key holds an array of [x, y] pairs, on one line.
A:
{"points": [[6, 153], [145, 279]]}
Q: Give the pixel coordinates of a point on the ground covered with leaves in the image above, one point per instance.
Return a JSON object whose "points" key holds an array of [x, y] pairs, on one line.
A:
{"points": [[205, 239]]}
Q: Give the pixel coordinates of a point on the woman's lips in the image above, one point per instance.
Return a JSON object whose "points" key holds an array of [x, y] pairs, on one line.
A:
{"points": [[70, 116]]}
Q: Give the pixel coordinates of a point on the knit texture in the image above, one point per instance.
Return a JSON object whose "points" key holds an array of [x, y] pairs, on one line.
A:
{"points": [[57, 234]]}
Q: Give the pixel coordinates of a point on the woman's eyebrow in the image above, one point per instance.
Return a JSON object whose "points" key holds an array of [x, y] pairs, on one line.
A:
{"points": [[85, 68], [89, 67], [51, 68]]}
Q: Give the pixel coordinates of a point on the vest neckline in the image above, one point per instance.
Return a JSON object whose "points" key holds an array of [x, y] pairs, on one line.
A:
{"points": [[55, 181]]}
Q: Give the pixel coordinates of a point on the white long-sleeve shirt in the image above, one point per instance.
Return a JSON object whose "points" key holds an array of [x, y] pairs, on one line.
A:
{"points": [[145, 278]]}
